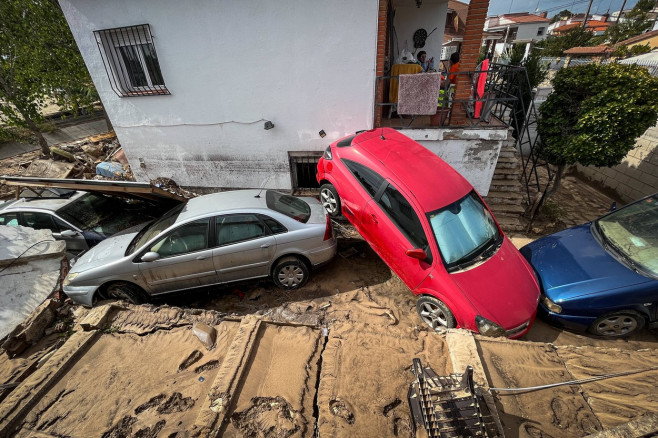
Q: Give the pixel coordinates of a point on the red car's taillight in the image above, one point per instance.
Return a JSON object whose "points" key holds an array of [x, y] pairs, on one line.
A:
{"points": [[329, 231], [327, 153]]}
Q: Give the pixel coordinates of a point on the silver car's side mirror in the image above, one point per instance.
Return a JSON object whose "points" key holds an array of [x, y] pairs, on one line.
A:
{"points": [[68, 233], [150, 257]]}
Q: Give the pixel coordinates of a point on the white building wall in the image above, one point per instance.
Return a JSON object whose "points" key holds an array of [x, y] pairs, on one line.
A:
{"points": [[306, 65], [528, 31], [430, 15]]}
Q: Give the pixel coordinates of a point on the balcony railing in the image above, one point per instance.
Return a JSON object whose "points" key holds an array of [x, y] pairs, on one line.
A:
{"points": [[494, 106]]}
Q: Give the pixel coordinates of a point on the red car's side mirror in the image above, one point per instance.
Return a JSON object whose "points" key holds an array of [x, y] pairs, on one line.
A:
{"points": [[416, 253]]}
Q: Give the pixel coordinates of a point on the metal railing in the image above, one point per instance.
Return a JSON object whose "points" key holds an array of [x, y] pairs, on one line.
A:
{"points": [[506, 102]]}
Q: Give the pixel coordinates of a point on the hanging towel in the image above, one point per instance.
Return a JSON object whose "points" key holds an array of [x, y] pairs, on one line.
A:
{"points": [[397, 70], [419, 93]]}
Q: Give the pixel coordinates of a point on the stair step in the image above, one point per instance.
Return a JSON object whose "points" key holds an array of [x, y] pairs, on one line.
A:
{"points": [[505, 194], [502, 159], [505, 184], [508, 223], [508, 153], [501, 209]]}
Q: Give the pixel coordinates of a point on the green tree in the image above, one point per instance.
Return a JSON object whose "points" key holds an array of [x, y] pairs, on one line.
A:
{"points": [[39, 63], [556, 45], [595, 113], [637, 21], [562, 15]]}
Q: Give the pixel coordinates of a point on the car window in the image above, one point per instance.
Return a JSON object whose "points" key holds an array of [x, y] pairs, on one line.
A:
{"points": [[62, 225], [238, 228], [289, 205], [10, 219], [366, 177], [39, 221], [190, 237], [274, 226], [403, 215]]}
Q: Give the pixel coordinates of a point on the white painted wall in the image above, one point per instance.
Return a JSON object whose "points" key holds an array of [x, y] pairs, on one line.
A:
{"points": [[471, 152], [409, 18], [306, 65], [529, 31]]}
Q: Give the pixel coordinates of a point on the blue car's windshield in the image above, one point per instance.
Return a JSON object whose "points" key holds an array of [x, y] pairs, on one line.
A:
{"points": [[464, 230], [633, 232]]}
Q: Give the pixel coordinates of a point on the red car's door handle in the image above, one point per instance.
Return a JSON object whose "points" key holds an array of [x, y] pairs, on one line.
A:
{"points": [[374, 218]]}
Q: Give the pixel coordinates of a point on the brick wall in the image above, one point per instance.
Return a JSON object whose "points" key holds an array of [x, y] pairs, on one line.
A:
{"points": [[382, 49], [477, 14], [636, 176]]}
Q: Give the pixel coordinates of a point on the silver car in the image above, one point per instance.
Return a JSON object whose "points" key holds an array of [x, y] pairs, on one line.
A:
{"points": [[212, 239], [81, 219]]}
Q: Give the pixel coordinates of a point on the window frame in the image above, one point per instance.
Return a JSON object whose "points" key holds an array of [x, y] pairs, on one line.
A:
{"points": [[121, 73], [166, 235], [216, 227]]}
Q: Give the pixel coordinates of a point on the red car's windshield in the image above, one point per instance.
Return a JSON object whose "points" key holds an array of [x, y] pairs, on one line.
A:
{"points": [[464, 230]]}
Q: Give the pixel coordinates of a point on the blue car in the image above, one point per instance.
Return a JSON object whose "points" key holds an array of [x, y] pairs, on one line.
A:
{"points": [[602, 276]]}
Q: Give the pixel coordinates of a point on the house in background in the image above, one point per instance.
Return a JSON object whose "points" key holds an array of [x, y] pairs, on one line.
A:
{"points": [[453, 36], [225, 94], [597, 23], [646, 39], [515, 28]]}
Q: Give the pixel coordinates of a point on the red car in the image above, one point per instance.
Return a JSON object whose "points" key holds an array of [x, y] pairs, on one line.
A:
{"points": [[433, 230]]}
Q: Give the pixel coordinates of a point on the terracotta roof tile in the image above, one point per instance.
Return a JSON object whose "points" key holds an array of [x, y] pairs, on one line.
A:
{"points": [[592, 25], [638, 38], [595, 50]]}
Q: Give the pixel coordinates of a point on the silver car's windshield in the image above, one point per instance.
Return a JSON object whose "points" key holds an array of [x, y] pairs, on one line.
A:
{"points": [[155, 228], [464, 230], [633, 233]]}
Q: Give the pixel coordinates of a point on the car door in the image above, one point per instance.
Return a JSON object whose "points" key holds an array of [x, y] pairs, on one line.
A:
{"points": [[46, 221], [185, 259], [370, 183], [245, 247], [396, 228]]}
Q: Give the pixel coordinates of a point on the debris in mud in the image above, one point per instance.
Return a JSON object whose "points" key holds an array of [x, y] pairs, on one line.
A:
{"points": [[193, 358], [176, 403], [148, 432], [206, 366], [206, 334], [122, 429], [342, 409], [268, 416], [392, 405], [154, 401]]}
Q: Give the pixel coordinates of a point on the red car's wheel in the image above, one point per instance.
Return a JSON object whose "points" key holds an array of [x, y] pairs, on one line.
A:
{"points": [[330, 200], [435, 313]]}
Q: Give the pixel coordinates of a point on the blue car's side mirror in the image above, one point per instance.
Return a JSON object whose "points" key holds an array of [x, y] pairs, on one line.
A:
{"points": [[613, 207]]}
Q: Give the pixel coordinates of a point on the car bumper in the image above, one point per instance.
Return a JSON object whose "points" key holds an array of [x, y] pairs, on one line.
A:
{"points": [[569, 322], [81, 294], [322, 256]]}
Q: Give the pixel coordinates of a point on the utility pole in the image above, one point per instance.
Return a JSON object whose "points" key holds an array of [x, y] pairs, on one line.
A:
{"points": [[621, 10], [587, 14]]}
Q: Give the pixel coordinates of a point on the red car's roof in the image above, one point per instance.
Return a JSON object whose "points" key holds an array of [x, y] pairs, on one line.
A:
{"points": [[426, 176]]}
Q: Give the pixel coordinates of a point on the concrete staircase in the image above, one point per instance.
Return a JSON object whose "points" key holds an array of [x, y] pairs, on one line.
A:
{"points": [[506, 194]]}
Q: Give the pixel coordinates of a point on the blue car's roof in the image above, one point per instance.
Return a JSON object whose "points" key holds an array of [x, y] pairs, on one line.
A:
{"points": [[572, 263]]}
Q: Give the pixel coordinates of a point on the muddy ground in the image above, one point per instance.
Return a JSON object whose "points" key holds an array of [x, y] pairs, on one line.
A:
{"points": [[331, 359]]}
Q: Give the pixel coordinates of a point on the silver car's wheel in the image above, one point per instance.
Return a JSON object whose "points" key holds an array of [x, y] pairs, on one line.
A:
{"points": [[290, 273], [126, 292], [435, 313], [330, 199], [617, 324]]}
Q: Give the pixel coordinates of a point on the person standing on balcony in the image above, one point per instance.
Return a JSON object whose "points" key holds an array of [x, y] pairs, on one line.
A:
{"points": [[454, 67], [427, 65]]}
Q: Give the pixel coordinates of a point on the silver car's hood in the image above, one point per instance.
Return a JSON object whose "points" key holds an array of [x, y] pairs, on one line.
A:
{"points": [[109, 250]]}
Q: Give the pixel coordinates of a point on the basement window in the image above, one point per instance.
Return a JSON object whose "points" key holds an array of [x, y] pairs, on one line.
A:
{"points": [[303, 166], [131, 61]]}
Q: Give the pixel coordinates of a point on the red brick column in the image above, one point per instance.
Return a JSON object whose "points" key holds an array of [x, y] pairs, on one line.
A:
{"points": [[477, 14], [382, 43]]}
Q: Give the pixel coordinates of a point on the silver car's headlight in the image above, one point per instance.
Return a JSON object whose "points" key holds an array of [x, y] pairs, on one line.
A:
{"points": [[550, 305], [488, 328], [69, 278]]}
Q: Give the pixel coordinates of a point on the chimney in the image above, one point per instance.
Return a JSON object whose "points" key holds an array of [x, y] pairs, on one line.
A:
{"points": [[543, 14]]}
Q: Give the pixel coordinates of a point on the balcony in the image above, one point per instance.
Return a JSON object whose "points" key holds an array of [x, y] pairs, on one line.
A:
{"points": [[492, 107]]}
